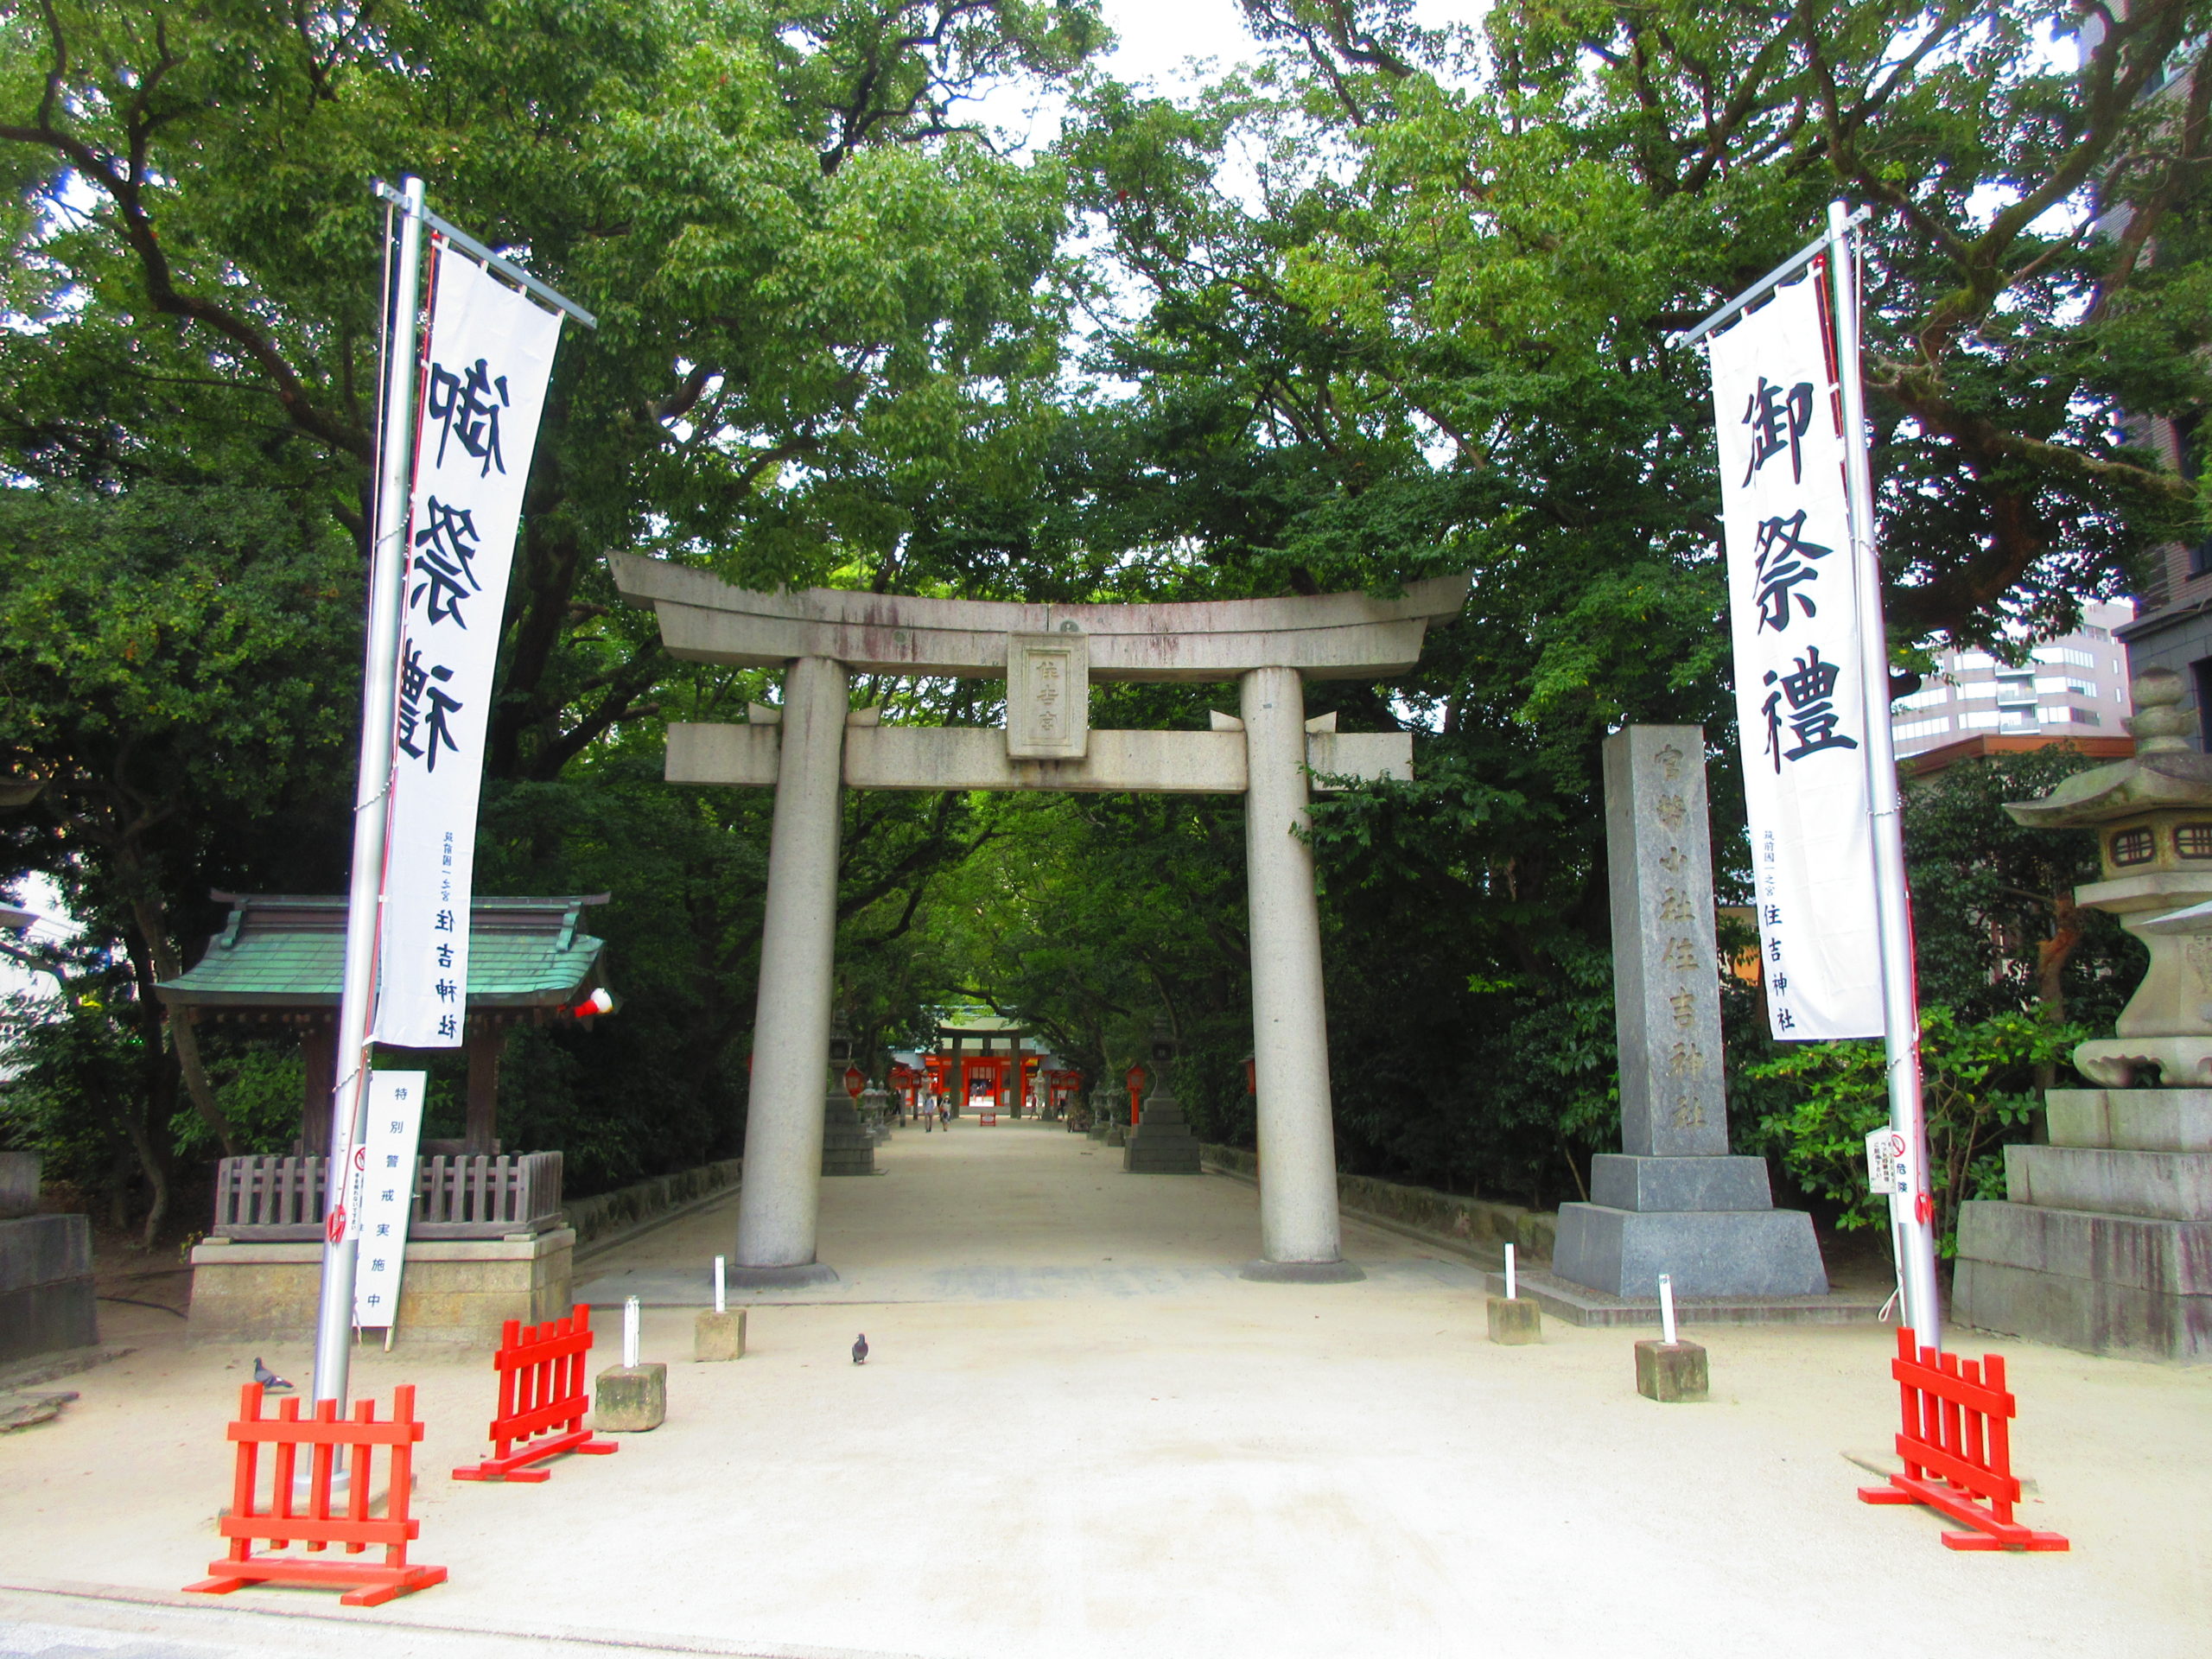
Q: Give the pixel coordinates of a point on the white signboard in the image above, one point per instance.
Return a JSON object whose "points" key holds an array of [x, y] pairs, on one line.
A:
{"points": [[386, 1195], [1794, 615], [490, 353], [1888, 1163]]}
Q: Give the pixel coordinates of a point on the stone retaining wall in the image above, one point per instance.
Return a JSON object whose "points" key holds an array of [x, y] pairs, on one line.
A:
{"points": [[1474, 1221], [608, 1212]]}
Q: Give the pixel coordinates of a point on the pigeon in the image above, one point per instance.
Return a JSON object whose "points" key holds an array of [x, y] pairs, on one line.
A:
{"points": [[267, 1378], [860, 1349]]}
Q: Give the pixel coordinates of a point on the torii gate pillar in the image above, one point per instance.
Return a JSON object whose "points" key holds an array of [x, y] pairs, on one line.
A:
{"points": [[781, 1191], [1047, 654], [1290, 1031]]}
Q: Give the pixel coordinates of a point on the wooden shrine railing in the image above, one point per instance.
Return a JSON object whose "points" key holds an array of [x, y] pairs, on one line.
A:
{"points": [[275, 1200]]}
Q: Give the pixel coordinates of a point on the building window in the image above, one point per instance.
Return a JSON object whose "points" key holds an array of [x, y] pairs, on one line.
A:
{"points": [[2131, 846], [2193, 840], [2200, 681]]}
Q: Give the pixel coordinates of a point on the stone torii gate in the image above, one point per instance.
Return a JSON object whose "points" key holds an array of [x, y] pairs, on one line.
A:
{"points": [[816, 743]]}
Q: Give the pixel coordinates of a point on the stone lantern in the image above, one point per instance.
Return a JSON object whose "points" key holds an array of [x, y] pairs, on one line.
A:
{"points": [[2152, 814], [2104, 1240], [1162, 1143], [847, 1147]]}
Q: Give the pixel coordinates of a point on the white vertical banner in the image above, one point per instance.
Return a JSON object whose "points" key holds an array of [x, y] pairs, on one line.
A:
{"points": [[386, 1194], [1800, 702], [490, 353]]}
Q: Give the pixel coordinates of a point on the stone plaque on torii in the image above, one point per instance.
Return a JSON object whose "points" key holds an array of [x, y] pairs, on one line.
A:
{"points": [[815, 745]]}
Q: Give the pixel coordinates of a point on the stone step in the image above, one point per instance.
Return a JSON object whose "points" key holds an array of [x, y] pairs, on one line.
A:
{"points": [[2166, 1257], [2170, 1185], [2097, 1316], [2132, 1119]]}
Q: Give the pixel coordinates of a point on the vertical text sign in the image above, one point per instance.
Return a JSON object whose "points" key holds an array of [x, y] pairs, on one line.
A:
{"points": [[387, 1193], [490, 353], [1793, 616]]}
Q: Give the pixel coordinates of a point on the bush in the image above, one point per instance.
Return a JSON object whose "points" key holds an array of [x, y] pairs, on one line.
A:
{"points": [[1978, 1085]]}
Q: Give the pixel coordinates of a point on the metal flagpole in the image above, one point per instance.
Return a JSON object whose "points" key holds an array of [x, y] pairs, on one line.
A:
{"points": [[357, 1002], [1911, 1217]]}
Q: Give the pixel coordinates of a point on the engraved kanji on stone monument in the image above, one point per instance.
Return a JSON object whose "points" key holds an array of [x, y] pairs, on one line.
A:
{"points": [[1666, 987]]}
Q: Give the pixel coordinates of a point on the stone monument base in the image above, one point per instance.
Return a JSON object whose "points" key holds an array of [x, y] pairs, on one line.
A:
{"points": [[2105, 1243], [1707, 1252], [847, 1145], [1162, 1143], [454, 1292]]}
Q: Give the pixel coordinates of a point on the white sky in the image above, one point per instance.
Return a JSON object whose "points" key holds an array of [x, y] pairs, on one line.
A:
{"points": [[1158, 41]]}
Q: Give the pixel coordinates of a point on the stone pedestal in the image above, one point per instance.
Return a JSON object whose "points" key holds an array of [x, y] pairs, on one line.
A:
{"points": [[454, 1292], [1674, 1201], [1514, 1320], [2106, 1241], [629, 1399], [847, 1147], [1670, 1371], [1162, 1143], [719, 1336], [45, 1285]]}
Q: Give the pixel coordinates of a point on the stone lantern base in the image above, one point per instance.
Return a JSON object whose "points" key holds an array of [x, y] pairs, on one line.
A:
{"points": [[2106, 1244]]}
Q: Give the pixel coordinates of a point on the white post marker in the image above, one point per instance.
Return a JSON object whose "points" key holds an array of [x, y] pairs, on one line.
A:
{"points": [[721, 1295], [1509, 1273], [630, 1334], [1667, 1308]]}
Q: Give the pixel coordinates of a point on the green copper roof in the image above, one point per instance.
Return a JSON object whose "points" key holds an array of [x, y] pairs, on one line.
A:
{"points": [[286, 951]]}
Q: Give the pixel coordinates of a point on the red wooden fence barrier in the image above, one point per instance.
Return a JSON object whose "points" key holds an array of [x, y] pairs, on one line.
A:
{"points": [[366, 1583], [1956, 1442], [542, 1386]]}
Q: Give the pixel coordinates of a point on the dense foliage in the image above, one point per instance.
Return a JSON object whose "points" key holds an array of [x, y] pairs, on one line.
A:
{"points": [[1384, 303]]}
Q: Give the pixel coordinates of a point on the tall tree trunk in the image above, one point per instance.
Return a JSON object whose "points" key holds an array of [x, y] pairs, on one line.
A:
{"points": [[146, 915]]}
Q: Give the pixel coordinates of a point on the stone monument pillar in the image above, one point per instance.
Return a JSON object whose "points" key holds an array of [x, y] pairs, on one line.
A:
{"points": [[2105, 1242], [1299, 1237], [780, 1198], [1673, 1201]]}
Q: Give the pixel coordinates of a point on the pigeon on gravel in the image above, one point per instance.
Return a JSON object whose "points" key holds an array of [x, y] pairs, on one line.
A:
{"points": [[860, 1349], [267, 1378]]}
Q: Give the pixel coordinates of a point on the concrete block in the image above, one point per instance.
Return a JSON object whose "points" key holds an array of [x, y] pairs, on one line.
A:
{"points": [[2095, 1316], [1623, 1180], [629, 1399], [1514, 1320], [719, 1336], [45, 1285], [18, 1184], [1710, 1253], [44, 1250], [46, 1319], [1670, 1372], [2132, 1119], [2174, 1185], [2170, 1258]]}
